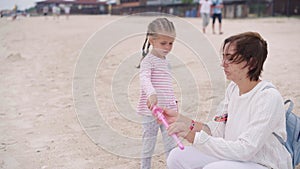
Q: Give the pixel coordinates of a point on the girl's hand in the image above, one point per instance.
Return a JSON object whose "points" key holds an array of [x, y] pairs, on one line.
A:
{"points": [[152, 100]]}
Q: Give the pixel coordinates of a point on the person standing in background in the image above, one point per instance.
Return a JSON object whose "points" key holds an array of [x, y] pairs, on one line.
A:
{"points": [[55, 11], [217, 6], [45, 11], [205, 11], [67, 10], [15, 12]]}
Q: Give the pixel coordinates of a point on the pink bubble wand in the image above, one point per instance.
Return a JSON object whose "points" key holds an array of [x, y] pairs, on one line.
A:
{"points": [[158, 112]]}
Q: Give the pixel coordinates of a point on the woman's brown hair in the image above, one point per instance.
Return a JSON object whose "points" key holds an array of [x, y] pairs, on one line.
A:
{"points": [[252, 48]]}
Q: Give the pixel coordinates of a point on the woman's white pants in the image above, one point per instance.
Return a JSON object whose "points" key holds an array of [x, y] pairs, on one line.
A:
{"points": [[191, 158]]}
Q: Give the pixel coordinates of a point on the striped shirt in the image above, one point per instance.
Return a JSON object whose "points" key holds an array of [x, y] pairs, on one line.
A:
{"points": [[155, 78]]}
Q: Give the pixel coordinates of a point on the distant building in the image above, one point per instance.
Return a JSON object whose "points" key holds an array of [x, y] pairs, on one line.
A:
{"points": [[235, 9], [286, 7], [188, 8], [175, 7], [261, 8], [77, 6], [183, 8]]}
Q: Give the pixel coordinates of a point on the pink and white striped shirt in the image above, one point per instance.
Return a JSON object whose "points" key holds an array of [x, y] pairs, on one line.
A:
{"points": [[155, 78]]}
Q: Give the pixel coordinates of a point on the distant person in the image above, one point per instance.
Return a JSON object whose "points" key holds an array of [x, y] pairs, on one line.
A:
{"points": [[58, 11], [205, 11], [109, 9], [55, 12], [156, 85], [67, 10], [15, 12], [45, 11], [217, 13]]}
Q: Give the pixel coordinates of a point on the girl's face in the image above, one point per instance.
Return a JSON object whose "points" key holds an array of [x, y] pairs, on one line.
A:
{"points": [[162, 45], [235, 72]]}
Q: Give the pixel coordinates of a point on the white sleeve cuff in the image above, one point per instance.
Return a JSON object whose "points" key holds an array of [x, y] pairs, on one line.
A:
{"points": [[201, 137]]}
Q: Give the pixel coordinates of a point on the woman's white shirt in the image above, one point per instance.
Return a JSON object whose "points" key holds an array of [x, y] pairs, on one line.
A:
{"points": [[247, 134]]}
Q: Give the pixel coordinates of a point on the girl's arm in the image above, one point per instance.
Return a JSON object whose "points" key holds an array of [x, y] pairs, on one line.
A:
{"points": [[145, 77]]}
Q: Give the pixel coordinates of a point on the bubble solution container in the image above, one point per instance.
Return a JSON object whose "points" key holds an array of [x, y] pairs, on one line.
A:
{"points": [[158, 112]]}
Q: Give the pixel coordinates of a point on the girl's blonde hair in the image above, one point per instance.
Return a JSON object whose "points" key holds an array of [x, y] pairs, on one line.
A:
{"points": [[160, 26]]}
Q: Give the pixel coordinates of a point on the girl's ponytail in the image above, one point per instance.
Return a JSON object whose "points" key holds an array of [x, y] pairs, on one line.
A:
{"points": [[144, 52]]}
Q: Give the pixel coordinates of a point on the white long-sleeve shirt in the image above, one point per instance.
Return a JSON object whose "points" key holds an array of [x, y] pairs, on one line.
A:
{"points": [[205, 6], [247, 134], [155, 78]]}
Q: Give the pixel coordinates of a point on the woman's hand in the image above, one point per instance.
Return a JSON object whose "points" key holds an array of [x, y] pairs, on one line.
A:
{"points": [[180, 128], [179, 124], [171, 115]]}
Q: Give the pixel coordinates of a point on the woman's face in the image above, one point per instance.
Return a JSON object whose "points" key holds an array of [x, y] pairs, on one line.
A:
{"points": [[162, 45], [235, 72]]}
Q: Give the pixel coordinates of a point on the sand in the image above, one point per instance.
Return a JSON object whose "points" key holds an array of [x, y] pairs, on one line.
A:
{"points": [[44, 125]]}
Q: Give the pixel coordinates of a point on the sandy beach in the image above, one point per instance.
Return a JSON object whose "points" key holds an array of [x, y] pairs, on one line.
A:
{"points": [[52, 68]]}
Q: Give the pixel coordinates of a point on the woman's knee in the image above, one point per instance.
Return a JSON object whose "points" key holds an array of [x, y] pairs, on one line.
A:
{"points": [[174, 157]]}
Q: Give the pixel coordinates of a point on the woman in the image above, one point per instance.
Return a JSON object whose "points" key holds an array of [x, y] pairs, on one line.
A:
{"points": [[241, 136]]}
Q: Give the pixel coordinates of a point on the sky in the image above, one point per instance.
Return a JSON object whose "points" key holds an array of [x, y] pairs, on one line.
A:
{"points": [[22, 4]]}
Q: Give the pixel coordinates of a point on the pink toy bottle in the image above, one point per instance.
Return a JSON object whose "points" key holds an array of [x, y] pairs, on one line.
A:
{"points": [[158, 112]]}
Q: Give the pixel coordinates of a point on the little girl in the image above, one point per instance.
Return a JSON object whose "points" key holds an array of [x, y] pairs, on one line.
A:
{"points": [[156, 85]]}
